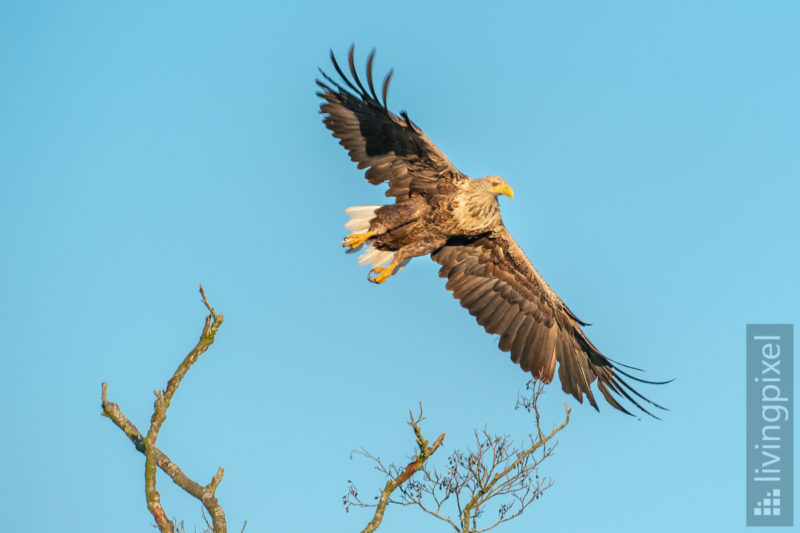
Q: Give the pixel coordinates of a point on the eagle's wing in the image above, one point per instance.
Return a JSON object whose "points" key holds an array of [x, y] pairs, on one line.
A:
{"points": [[498, 284], [393, 147]]}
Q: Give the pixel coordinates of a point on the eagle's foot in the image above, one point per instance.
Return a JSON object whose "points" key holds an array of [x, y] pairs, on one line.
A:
{"points": [[355, 240], [382, 273]]}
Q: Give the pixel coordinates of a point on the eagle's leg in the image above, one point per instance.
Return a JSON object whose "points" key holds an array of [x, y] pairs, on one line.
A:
{"points": [[355, 240], [382, 274], [421, 247]]}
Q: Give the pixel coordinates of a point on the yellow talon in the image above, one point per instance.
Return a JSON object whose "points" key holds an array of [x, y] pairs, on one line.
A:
{"points": [[382, 273], [355, 240]]}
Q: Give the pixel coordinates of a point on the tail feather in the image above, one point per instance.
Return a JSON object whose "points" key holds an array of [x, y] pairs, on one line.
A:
{"points": [[361, 211], [357, 225], [360, 218]]}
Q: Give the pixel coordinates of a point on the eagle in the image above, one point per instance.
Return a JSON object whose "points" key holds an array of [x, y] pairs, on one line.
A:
{"points": [[439, 210]]}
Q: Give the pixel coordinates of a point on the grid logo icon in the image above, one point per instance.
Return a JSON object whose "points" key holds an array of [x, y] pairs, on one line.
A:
{"points": [[769, 505]]}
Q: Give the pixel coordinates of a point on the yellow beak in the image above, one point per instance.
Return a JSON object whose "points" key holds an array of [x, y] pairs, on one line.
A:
{"points": [[504, 189]]}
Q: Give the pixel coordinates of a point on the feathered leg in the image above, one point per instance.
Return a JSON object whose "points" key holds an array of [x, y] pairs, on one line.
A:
{"points": [[416, 249]]}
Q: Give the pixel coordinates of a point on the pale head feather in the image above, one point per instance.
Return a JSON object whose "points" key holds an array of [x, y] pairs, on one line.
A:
{"points": [[493, 185]]}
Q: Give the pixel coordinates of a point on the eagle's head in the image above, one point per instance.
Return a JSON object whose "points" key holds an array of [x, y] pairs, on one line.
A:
{"points": [[495, 185]]}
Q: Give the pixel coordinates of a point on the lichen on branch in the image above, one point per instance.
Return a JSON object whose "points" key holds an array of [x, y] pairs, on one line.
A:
{"points": [[155, 458]]}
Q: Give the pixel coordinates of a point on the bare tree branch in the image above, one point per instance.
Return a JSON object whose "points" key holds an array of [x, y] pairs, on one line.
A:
{"points": [[155, 458], [493, 471], [397, 478]]}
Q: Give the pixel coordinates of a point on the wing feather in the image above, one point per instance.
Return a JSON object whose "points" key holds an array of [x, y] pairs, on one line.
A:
{"points": [[494, 307], [393, 149], [509, 333], [518, 346], [496, 282]]}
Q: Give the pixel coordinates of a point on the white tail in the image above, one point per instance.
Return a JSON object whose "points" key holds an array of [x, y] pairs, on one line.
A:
{"points": [[360, 217]]}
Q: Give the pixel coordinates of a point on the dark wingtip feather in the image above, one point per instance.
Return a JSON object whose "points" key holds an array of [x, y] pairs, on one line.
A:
{"points": [[610, 398], [640, 380], [354, 72], [408, 121], [340, 72], [632, 400], [615, 382], [637, 393], [623, 364], [386, 81], [619, 385], [333, 82], [370, 60]]}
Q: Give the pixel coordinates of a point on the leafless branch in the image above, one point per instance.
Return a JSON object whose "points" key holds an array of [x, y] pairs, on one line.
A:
{"points": [[155, 458], [492, 470], [397, 476]]}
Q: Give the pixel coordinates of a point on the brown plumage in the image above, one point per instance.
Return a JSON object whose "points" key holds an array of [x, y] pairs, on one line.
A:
{"points": [[440, 211]]}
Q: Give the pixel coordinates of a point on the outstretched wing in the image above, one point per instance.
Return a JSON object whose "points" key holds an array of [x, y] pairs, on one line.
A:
{"points": [[394, 148], [498, 284]]}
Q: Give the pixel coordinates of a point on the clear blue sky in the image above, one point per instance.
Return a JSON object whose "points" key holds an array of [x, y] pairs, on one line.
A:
{"points": [[653, 149]]}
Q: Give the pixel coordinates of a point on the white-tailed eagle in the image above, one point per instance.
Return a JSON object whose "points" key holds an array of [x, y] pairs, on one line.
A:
{"points": [[441, 211]]}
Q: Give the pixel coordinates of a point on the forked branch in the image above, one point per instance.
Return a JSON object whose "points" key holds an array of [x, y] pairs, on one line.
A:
{"points": [[399, 477], [155, 458]]}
